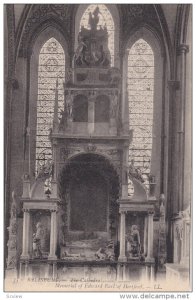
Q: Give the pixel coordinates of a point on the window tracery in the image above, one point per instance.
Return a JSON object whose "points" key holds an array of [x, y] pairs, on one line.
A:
{"points": [[140, 83], [51, 67]]}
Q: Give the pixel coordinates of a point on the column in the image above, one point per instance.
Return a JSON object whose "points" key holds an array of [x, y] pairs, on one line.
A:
{"points": [[114, 112], [145, 235], [150, 237], [183, 49], [122, 256], [125, 168], [125, 100], [91, 115], [25, 238], [53, 235], [54, 178]]}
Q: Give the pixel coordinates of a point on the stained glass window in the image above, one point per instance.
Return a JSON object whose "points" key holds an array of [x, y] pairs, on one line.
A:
{"points": [[105, 19], [51, 67], [140, 85]]}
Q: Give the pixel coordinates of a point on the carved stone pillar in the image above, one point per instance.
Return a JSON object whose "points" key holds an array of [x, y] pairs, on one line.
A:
{"points": [[125, 172], [53, 235], [26, 186], [69, 108], [125, 98], [150, 237], [25, 238], [114, 111], [91, 115], [122, 256], [145, 235], [183, 49]]}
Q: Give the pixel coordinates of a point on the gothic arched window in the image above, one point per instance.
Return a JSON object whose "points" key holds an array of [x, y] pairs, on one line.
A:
{"points": [[105, 19], [140, 84], [50, 69]]}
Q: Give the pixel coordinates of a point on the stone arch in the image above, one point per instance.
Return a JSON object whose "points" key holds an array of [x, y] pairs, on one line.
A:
{"points": [[103, 158], [80, 108], [102, 108], [90, 171], [36, 19]]}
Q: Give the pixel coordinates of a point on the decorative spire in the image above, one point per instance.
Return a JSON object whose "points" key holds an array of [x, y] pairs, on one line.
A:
{"points": [[56, 120]]}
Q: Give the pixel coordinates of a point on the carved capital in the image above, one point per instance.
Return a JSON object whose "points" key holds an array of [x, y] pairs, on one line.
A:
{"points": [[183, 49], [150, 213], [26, 210]]}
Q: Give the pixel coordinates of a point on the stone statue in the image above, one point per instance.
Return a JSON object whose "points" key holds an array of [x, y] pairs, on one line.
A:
{"points": [[37, 236], [13, 207], [12, 230], [79, 54], [63, 120], [94, 19], [135, 172], [106, 253], [68, 76], [133, 242], [46, 169], [69, 104], [114, 76]]}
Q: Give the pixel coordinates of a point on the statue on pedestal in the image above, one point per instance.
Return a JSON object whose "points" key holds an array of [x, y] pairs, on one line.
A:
{"points": [[37, 236], [45, 170], [133, 242], [69, 104], [94, 19]]}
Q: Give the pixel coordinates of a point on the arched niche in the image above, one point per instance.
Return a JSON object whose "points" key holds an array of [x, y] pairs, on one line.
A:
{"points": [[89, 188], [80, 108], [115, 15], [42, 38], [102, 109], [151, 39]]}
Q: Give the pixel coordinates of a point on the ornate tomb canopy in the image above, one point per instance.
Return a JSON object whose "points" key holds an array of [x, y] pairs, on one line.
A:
{"points": [[92, 48]]}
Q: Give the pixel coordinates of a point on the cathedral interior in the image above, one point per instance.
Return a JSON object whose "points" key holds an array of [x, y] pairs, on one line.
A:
{"points": [[98, 106]]}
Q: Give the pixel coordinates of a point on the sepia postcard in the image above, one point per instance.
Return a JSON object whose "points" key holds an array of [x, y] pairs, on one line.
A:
{"points": [[98, 147]]}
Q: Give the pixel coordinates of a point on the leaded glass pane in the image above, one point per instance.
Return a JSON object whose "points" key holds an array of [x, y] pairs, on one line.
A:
{"points": [[140, 83], [105, 19], [51, 67]]}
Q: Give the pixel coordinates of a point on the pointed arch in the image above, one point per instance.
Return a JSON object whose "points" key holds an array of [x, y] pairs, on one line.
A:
{"points": [[48, 61], [144, 73], [51, 68], [140, 83]]}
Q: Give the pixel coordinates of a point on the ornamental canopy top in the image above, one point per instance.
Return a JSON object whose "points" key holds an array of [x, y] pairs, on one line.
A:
{"points": [[92, 48]]}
